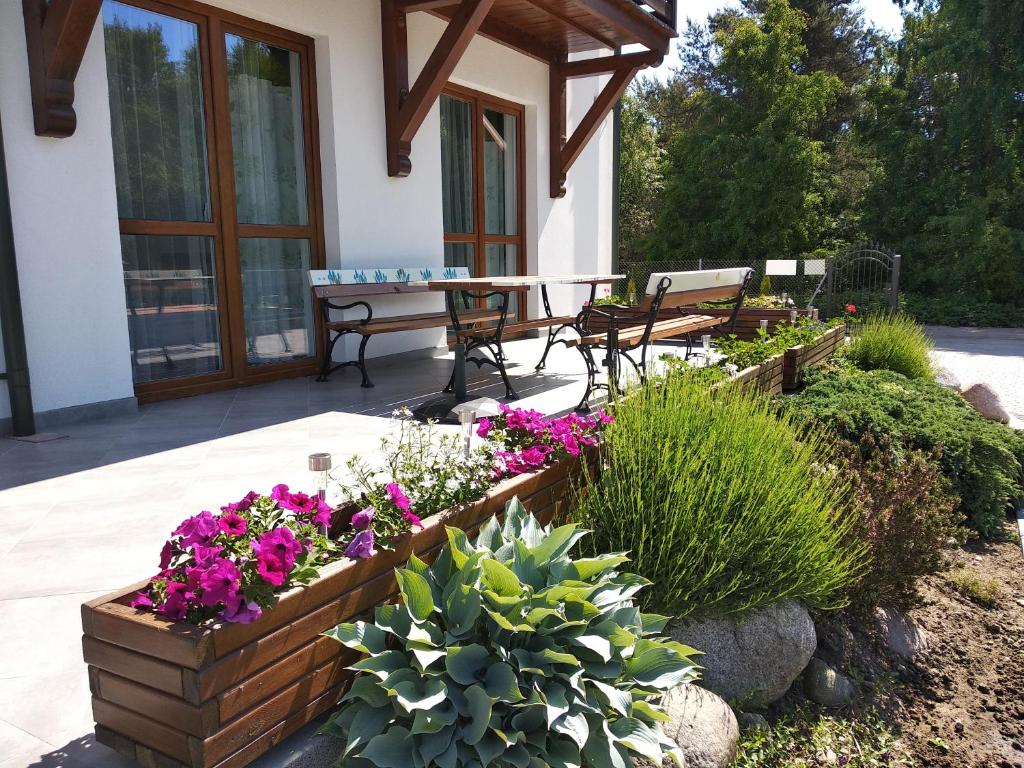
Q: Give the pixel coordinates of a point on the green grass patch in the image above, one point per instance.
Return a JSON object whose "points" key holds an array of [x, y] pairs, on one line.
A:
{"points": [[806, 737], [721, 505], [982, 590], [893, 343]]}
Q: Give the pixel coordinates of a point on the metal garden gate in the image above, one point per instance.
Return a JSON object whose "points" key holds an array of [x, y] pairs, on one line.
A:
{"points": [[867, 276]]}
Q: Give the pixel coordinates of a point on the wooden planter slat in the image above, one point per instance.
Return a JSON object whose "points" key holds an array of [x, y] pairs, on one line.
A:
{"points": [[804, 356], [172, 694]]}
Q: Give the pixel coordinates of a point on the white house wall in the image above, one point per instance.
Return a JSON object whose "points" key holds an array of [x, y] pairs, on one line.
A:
{"points": [[65, 213]]}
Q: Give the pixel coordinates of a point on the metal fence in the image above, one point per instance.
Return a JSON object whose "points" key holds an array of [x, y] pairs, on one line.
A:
{"points": [[866, 275]]}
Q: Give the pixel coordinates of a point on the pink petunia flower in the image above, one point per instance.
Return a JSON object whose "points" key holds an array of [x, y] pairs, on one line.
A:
{"points": [[484, 427], [278, 547], [175, 607], [322, 513], [361, 546], [363, 518], [166, 554], [220, 583], [241, 611], [399, 499], [241, 505], [412, 519], [197, 530], [206, 557], [141, 600], [233, 524], [271, 572]]}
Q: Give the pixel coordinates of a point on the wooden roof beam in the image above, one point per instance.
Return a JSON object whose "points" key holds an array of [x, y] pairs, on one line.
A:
{"points": [[564, 151], [56, 34], [405, 108]]}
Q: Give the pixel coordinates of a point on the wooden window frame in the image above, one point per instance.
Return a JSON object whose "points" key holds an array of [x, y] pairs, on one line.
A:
{"points": [[479, 239], [212, 24]]}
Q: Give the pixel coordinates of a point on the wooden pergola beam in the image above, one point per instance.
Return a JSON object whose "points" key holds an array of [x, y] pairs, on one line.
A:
{"points": [[56, 34], [564, 151], [405, 109]]}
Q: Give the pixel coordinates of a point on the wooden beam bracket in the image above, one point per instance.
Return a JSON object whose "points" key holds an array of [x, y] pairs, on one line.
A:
{"points": [[564, 150], [56, 33], [406, 108]]}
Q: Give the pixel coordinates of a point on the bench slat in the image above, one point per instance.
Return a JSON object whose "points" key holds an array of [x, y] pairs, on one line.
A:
{"points": [[411, 322], [525, 325], [662, 329]]}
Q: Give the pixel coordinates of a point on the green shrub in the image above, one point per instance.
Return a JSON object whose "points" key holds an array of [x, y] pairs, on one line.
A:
{"points": [[744, 354], [962, 309], [720, 504], [892, 342], [507, 652], [981, 459], [764, 288], [906, 515]]}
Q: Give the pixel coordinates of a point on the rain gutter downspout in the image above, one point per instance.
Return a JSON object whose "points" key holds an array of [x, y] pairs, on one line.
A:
{"points": [[19, 389]]}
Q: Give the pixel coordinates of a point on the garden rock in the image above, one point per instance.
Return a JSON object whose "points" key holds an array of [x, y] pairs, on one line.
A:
{"points": [[751, 721], [986, 402], [824, 685], [900, 634], [947, 378], [703, 726], [753, 658]]}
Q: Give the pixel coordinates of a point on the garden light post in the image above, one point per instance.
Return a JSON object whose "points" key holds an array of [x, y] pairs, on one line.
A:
{"points": [[705, 342], [764, 326], [320, 464], [792, 316]]}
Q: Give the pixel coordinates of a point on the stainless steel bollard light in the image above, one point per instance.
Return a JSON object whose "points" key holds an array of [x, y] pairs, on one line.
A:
{"points": [[320, 465]]}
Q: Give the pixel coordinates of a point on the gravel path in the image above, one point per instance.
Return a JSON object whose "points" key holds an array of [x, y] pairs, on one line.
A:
{"points": [[991, 355]]}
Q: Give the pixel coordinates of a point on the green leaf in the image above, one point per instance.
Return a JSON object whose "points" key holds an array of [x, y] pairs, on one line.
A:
{"points": [[433, 720], [414, 695], [549, 656], [601, 751], [383, 664], [576, 728], [654, 623], [589, 567], [467, 665], [458, 546], [479, 712], [555, 702], [501, 683], [366, 688], [615, 698], [647, 711], [393, 749], [418, 566], [425, 654], [637, 736], [659, 667], [488, 748], [363, 637], [416, 594], [365, 725], [596, 644], [434, 744], [557, 543], [463, 609], [501, 579]]}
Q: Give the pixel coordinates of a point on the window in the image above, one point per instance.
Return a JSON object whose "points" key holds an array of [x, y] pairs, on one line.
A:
{"points": [[213, 125], [482, 183]]}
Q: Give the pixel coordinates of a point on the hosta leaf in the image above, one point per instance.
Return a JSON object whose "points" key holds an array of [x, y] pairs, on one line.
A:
{"points": [[615, 698], [418, 566], [434, 744], [660, 668], [647, 711], [489, 536], [467, 664], [463, 608], [549, 656], [557, 543], [450, 757], [361, 636], [382, 664], [394, 619], [416, 593], [653, 623], [501, 579], [601, 751], [369, 722], [458, 546], [413, 695], [488, 748], [366, 688], [505, 624], [501, 683], [576, 728], [536, 615], [587, 568], [529, 719], [525, 661], [428, 721], [392, 749], [595, 644], [479, 713], [637, 736], [425, 654], [555, 702], [517, 755]]}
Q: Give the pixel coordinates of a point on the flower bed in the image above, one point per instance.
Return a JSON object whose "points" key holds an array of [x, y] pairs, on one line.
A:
{"points": [[803, 356], [170, 692]]}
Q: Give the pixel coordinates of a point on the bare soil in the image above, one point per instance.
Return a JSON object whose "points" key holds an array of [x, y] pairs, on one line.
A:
{"points": [[961, 702]]}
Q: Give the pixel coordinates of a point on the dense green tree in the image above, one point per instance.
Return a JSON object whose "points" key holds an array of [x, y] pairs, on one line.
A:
{"points": [[748, 179], [947, 121], [641, 183]]}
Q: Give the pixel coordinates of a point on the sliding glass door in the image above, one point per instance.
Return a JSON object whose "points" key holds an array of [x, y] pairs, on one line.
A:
{"points": [[213, 123], [482, 183]]}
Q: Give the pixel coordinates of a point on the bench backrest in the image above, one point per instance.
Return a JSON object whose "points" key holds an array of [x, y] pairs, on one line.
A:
{"points": [[377, 281], [686, 288]]}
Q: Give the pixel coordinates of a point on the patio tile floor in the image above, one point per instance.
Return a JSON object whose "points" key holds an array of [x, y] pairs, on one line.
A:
{"points": [[88, 514]]}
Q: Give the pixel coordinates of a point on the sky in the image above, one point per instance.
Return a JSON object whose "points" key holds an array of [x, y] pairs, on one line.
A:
{"points": [[884, 14]]}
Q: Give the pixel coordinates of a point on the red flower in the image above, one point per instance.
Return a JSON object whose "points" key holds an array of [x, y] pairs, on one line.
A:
{"points": [[851, 309]]}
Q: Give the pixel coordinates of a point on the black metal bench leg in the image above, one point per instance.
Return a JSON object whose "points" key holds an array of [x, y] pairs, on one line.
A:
{"points": [[592, 371], [547, 348], [325, 366], [362, 362]]}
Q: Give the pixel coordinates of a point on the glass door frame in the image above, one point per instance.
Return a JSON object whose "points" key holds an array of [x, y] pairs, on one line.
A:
{"points": [[479, 238], [212, 25]]}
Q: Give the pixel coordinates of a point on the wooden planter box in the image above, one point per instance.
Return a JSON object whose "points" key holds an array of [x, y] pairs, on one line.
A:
{"points": [[170, 695], [807, 355], [766, 377]]}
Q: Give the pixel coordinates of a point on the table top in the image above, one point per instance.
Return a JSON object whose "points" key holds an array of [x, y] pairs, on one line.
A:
{"points": [[511, 282]]}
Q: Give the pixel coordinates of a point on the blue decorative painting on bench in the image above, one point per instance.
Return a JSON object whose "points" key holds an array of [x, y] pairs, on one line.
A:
{"points": [[383, 275]]}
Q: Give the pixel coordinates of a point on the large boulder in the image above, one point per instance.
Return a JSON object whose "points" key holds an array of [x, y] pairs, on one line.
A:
{"points": [[900, 634], [752, 659], [703, 726], [986, 402], [947, 378], [824, 685]]}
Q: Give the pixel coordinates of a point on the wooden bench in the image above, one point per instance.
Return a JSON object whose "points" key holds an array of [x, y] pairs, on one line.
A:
{"points": [[626, 329], [352, 286]]}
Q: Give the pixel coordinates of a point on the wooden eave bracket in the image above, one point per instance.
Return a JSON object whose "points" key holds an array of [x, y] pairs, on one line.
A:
{"points": [[405, 109], [623, 68], [56, 33]]}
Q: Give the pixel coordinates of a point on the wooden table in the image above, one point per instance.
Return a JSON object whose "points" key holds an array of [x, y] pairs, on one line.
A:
{"points": [[473, 289]]}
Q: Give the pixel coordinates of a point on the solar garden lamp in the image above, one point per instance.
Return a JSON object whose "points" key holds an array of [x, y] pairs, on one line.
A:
{"points": [[764, 326], [785, 299], [814, 313], [792, 316], [467, 416], [705, 341], [319, 466]]}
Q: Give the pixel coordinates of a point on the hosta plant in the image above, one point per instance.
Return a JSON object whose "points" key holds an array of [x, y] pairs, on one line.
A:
{"points": [[507, 652]]}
